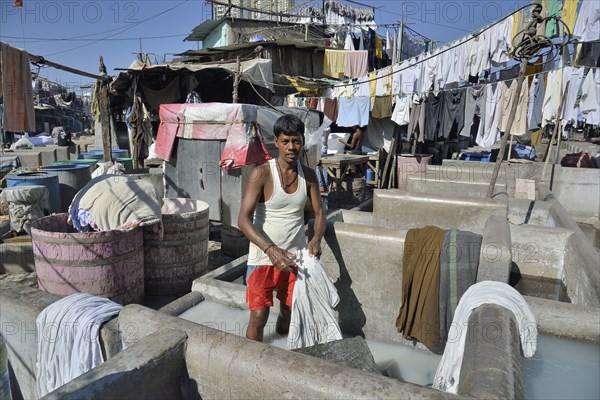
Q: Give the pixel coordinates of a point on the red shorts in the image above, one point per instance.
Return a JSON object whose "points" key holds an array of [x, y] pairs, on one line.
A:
{"points": [[261, 280]]}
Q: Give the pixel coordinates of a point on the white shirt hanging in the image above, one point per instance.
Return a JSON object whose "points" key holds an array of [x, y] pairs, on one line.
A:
{"points": [[587, 26]]}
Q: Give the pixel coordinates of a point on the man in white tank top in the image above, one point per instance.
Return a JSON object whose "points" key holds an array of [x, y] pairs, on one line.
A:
{"points": [[272, 218]]}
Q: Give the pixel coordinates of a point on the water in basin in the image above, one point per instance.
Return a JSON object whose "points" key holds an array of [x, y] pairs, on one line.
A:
{"points": [[394, 360], [560, 369]]}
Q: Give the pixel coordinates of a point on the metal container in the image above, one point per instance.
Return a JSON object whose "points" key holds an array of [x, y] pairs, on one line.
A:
{"points": [[172, 263], [71, 178], [108, 264], [42, 178]]}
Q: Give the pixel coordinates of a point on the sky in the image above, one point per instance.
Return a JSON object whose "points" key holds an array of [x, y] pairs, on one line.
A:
{"points": [[75, 33]]}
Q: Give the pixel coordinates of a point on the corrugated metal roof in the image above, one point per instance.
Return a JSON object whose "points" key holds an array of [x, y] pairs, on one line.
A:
{"points": [[201, 31]]}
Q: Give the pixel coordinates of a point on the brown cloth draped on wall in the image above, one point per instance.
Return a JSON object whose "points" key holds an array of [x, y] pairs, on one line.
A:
{"points": [[15, 86], [419, 317]]}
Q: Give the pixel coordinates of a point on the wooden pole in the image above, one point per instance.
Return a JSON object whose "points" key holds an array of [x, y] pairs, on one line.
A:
{"points": [[511, 118], [104, 112], [236, 79]]}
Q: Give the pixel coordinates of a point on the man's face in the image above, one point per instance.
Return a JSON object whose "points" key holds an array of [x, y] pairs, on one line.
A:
{"points": [[289, 147]]}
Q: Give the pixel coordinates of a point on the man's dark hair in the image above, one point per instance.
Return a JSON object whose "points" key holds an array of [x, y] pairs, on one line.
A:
{"points": [[289, 125]]}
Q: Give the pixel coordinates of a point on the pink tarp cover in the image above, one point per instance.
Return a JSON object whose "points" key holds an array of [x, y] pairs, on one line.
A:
{"points": [[233, 123]]}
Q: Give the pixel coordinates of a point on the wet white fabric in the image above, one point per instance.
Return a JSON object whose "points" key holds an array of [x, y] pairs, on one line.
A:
{"points": [[478, 54], [363, 86], [407, 78], [384, 82], [349, 45], [590, 98], [587, 26], [400, 115], [488, 132], [430, 69], [312, 321], [552, 96], [574, 76], [396, 79], [485, 292], [500, 37], [454, 72], [67, 333]]}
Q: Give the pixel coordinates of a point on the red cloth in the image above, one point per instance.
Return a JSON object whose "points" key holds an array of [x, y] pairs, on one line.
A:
{"points": [[261, 283], [15, 86], [233, 123]]}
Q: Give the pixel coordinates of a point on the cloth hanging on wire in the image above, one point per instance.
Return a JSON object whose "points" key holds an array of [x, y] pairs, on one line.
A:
{"points": [[15, 89]]}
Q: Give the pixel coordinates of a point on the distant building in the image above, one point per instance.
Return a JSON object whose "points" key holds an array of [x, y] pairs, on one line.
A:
{"points": [[270, 6]]}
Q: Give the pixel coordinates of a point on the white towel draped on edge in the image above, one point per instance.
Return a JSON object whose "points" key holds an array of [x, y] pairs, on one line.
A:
{"points": [[486, 292], [68, 343], [312, 320]]}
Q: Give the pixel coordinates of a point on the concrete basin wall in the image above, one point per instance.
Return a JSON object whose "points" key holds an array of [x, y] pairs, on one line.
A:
{"points": [[574, 187], [539, 251], [153, 368], [415, 184], [481, 172], [45, 155], [20, 307], [397, 209], [365, 263], [222, 365], [582, 275], [530, 212], [578, 190]]}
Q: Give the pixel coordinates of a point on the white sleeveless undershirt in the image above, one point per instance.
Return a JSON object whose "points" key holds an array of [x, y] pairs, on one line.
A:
{"points": [[280, 219]]}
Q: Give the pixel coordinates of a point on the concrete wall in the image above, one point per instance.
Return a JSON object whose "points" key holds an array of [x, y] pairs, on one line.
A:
{"points": [[222, 365], [401, 210], [472, 171], [582, 275], [153, 368], [539, 251], [365, 263], [20, 307], [45, 155], [578, 190], [570, 321], [531, 212], [467, 189], [574, 187], [491, 366], [16, 255]]}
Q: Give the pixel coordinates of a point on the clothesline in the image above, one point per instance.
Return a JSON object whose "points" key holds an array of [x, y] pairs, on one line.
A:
{"points": [[464, 87]]}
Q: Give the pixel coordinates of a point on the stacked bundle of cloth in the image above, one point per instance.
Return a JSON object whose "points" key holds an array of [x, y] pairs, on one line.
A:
{"points": [[115, 202]]}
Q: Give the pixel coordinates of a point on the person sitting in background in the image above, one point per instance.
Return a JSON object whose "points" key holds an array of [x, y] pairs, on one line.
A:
{"points": [[354, 144]]}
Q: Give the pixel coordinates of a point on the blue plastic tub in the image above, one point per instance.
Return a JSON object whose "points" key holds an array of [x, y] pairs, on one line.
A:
{"points": [[43, 178]]}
